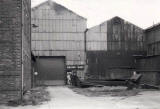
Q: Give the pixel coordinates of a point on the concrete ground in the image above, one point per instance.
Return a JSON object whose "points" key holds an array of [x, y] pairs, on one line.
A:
{"points": [[65, 98]]}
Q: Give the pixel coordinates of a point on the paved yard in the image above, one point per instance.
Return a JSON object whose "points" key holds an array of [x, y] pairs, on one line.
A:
{"points": [[65, 98]]}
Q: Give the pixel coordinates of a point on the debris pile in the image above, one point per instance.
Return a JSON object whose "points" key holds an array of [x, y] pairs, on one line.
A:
{"points": [[107, 90], [32, 97]]}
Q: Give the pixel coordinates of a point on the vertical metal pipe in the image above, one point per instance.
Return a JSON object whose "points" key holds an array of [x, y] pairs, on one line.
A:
{"points": [[85, 44], [85, 40], [30, 43], [22, 12]]}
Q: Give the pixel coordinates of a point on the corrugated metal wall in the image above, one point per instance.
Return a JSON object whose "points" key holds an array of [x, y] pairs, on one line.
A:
{"points": [[153, 40], [124, 36], [60, 32], [111, 47], [151, 63], [111, 64], [150, 68], [115, 34], [97, 38]]}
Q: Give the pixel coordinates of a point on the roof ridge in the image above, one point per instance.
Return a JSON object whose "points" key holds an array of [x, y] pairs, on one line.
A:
{"points": [[51, 1]]}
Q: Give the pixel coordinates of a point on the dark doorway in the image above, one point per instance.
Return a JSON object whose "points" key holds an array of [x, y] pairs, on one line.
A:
{"points": [[51, 71]]}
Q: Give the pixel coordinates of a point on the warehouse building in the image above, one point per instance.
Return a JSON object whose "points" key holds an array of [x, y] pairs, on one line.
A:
{"points": [[149, 65], [117, 48], [61, 43], [111, 49], [15, 49], [57, 42]]}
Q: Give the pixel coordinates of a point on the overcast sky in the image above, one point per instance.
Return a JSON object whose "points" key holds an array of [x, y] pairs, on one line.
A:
{"points": [[143, 13]]}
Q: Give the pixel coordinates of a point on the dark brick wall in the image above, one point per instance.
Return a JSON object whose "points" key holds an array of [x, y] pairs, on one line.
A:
{"points": [[11, 49]]}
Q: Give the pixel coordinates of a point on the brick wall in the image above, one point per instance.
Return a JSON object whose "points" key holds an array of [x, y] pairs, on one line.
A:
{"points": [[10, 49]]}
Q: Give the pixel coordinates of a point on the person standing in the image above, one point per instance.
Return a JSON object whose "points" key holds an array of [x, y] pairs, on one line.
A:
{"points": [[69, 78], [74, 77]]}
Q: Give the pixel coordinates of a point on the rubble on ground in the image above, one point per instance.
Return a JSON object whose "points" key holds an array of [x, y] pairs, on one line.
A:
{"points": [[107, 91], [32, 97]]}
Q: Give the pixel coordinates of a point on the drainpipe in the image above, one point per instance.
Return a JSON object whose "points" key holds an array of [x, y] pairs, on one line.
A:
{"points": [[22, 69], [85, 50], [85, 39], [85, 43]]}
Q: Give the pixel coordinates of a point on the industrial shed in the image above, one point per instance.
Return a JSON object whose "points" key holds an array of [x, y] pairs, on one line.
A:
{"points": [[115, 34], [15, 49], [113, 50], [111, 47], [149, 65], [57, 42], [153, 40]]}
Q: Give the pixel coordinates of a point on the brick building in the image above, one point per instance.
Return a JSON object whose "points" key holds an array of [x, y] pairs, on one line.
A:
{"points": [[15, 53]]}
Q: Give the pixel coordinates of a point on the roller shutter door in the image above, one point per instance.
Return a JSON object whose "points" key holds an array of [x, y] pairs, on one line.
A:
{"points": [[51, 71]]}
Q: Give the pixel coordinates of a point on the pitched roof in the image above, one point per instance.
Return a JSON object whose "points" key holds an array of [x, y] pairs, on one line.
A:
{"points": [[115, 18], [153, 27], [53, 2]]}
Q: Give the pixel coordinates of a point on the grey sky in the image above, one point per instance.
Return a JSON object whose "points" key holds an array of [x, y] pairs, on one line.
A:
{"points": [[143, 13]]}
